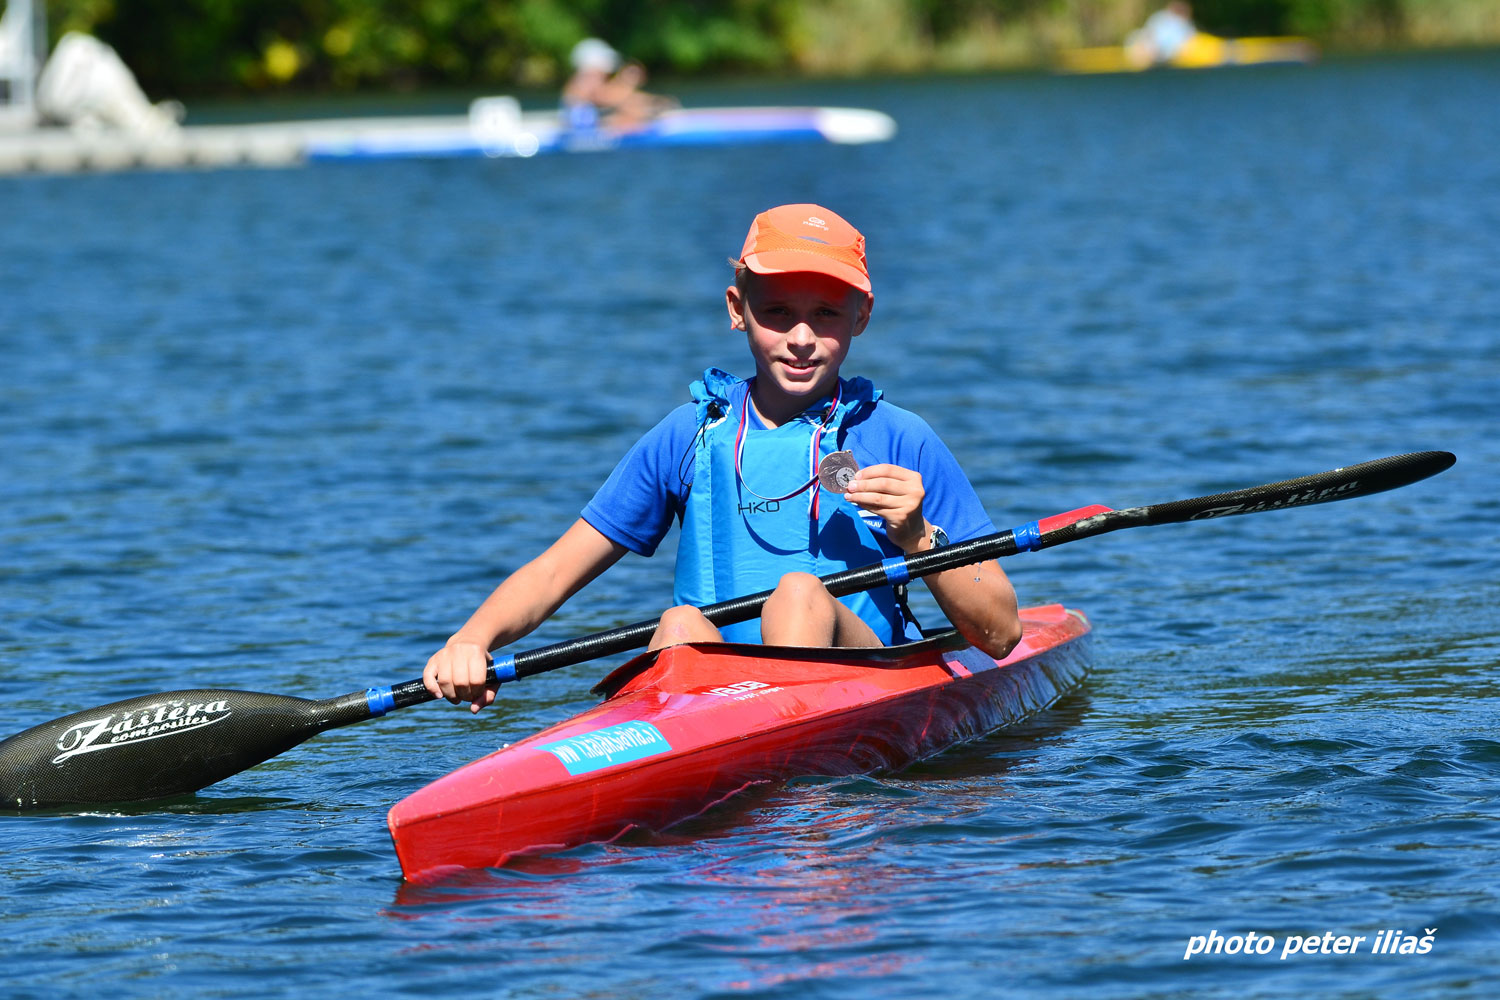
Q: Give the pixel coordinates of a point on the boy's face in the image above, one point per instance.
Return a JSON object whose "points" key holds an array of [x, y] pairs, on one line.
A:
{"points": [[799, 326]]}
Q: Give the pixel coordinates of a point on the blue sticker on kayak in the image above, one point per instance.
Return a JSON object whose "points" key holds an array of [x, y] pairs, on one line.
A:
{"points": [[608, 746]]}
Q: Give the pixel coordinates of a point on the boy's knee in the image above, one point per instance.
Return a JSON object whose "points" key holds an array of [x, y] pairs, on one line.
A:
{"points": [[801, 612], [804, 586], [683, 623], [682, 614], [797, 595]]}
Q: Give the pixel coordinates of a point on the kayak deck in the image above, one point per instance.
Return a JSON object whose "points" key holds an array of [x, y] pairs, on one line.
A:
{"points": [[692, 725]]}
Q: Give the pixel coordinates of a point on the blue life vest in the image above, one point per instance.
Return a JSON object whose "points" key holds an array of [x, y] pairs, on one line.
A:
{"points": [[736, 543]]}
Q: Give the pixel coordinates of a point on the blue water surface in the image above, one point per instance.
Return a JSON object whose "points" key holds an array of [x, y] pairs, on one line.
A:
{"points": [[282, 430]]}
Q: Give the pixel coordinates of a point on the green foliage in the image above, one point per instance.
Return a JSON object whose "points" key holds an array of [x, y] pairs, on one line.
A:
{"points": [[182, 46], [1351, 19], [186, 48], [946, 19], [1244, 17]]}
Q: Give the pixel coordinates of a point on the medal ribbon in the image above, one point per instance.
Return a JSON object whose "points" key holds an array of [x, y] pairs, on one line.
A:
{"points": [[817, 438]]}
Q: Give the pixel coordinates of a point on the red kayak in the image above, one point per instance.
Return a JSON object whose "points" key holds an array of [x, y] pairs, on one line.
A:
{"points": [[683, 729]]}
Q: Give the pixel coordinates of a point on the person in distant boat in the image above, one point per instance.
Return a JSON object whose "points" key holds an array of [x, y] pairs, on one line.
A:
{"points": [[602, 91], [1163, 36], [738, 468]]}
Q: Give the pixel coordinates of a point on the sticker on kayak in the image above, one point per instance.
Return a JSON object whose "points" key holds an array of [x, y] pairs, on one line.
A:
{"points": [[608, 746]]}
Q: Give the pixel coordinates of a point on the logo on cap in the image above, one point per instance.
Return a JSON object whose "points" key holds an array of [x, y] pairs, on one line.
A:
{"points": [[779, 243]]}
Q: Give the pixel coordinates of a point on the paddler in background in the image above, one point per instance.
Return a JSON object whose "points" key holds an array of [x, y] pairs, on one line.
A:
{"points": [[739, 467], [1165, 34], [602, 91]]}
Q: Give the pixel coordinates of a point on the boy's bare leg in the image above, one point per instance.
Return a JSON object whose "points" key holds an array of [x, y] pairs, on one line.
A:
{"points": [[683, 624], [801, 612]]}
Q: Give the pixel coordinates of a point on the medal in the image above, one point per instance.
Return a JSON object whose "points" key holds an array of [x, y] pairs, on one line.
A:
{"points": [[837, 470]]}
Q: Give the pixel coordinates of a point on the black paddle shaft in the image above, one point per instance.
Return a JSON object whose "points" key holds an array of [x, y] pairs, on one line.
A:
{"points": [[1325, 487], [162, 745]]}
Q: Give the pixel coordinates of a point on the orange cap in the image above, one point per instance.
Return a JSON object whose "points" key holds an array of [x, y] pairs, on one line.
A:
{"points": [[806, 238]]}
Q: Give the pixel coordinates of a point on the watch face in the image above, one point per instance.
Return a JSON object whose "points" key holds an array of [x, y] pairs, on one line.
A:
{"points": [[939, 537]]}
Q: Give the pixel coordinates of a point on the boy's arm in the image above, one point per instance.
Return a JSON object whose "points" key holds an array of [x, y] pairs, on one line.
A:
{"points": [[978, 599], [523, 601]]}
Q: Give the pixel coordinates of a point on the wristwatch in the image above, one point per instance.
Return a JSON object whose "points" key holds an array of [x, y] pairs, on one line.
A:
{"points": [[936, 538]]}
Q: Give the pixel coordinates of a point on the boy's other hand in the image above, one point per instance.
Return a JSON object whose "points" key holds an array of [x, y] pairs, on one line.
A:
{"points": [[895, 494]]}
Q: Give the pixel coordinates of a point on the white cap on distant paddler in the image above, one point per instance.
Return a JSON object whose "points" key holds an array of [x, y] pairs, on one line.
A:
{"points": [[595, 53]]}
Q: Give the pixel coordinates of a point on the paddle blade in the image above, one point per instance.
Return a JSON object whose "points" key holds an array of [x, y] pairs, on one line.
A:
{"points": [[1337, 484], [159, 745], [1344, 483]]}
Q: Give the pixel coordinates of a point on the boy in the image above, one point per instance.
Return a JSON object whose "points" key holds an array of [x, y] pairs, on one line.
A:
{"points": [[801, 295]]}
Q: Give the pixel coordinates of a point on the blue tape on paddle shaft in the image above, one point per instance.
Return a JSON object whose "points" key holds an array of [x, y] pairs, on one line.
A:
{"points": [[505, 669], [381, 700], [1028, 536], [896, 570]]}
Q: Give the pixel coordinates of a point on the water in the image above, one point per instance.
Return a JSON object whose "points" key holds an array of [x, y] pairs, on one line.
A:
{"points": [[283, 430]]}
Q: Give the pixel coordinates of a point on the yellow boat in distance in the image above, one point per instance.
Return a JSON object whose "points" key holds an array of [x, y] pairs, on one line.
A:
{"points": [[1202, 51]]}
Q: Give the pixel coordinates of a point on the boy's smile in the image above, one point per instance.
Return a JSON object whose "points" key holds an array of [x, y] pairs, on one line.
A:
{"points": [[799, 325]]}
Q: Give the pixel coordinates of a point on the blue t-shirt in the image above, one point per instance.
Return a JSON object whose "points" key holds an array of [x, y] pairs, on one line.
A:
{"points": [[648, 489]]}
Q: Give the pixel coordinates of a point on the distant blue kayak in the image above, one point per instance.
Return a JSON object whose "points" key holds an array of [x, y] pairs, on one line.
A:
{"points": [[507, 133], [494, 127]]}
